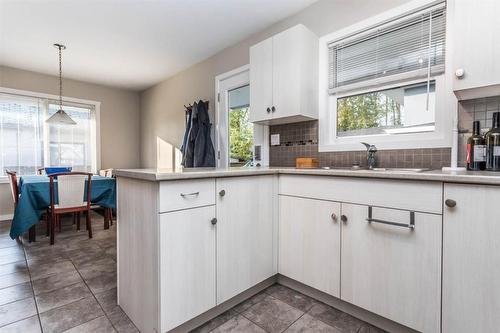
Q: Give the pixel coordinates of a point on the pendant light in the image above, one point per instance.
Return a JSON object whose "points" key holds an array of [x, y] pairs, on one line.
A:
{"points": [[60, 117]]}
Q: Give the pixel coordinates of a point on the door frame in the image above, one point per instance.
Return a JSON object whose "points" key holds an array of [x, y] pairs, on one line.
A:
{"points": [[219, 95]]}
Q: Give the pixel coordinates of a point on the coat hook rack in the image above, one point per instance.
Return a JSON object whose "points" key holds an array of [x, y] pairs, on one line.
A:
{"points": [[190, 106]]}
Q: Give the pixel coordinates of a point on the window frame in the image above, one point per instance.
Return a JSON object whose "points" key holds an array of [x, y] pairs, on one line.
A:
{"points": [[49, 99], [445, 101]]}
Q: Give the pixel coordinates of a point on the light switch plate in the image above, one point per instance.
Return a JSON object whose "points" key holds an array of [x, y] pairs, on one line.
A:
{"points": [[275, 139]]}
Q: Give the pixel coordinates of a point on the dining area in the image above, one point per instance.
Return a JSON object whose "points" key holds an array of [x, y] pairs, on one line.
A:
{"points": [[59, 191], [58, 254]]}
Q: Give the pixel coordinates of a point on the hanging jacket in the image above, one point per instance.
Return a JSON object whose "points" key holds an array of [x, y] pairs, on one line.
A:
{"points": [[204, 153], [186, 136], [188, 157]]}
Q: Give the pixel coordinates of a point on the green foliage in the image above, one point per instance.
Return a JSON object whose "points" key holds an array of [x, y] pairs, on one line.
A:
{"points": [[240, 135], [367, 111]]}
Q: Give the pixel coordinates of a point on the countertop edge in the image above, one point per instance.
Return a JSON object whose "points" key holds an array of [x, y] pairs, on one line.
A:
{"points": [[434, 176]]}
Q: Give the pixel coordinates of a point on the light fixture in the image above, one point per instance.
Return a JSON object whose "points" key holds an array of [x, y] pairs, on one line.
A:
{"points": [[60, 117]]}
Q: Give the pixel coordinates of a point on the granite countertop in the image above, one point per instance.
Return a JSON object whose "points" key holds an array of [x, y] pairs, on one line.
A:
{"points": [[470, 177]]}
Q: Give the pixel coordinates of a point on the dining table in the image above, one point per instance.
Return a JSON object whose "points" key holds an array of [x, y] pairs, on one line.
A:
{"points": [[34, 199]]}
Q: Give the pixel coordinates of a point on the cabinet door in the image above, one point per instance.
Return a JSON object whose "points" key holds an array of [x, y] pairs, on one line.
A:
{"points": [[393, 271], [476, 47], [286, 72], [261, 80], [245, 234], [471, 259], [187, 265], [309, 247]]}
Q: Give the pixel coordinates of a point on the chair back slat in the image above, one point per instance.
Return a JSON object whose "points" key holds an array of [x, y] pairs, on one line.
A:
{"points": [[71, 189], [14, 190]]}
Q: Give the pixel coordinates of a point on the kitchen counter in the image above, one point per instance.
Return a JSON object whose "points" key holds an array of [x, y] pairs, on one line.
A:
{"points": [[467, 177]]}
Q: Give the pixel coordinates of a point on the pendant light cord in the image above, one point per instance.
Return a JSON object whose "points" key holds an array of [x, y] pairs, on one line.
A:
{"points": [[60, 77]]}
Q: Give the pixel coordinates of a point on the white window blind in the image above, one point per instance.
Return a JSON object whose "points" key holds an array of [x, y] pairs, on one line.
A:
{"points": [[410, 47], [27, 142]]}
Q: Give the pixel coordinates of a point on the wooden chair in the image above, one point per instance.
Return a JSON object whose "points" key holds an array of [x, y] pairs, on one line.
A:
{"points": [[70, 198], [14, 189], [40, 171]]}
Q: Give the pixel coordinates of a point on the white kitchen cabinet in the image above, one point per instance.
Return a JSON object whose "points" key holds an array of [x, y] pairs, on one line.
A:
{"points": [[471, 259], [245, 234], [309, 242], [187, 265], [475, 26], [284, 77], [391, 270]]}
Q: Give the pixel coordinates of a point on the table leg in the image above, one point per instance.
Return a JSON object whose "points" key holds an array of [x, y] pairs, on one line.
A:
{"points": [[32, 234], [106, 218]]}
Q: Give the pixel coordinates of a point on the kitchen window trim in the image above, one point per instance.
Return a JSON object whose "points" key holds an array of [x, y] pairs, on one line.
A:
{"points": [[69, 100], [441, 137]]}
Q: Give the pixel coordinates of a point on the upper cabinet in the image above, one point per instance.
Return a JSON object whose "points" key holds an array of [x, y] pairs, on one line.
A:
{"points": [[284, 77], [475, 26]]}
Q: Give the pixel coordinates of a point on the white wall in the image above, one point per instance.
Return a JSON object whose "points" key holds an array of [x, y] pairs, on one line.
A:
{"points": [[162, 105]]}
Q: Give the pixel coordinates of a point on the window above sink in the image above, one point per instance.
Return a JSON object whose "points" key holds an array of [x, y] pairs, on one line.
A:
{"points": [[387, 82]]}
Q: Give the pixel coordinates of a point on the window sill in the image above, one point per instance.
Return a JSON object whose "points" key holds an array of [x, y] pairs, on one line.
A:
{"points": [[4, 180]]}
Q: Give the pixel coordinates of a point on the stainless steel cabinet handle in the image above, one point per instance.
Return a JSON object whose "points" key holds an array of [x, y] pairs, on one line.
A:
{"points": [[450, 203], [343, 218], [190, 194], [268, 110], [222, 193], [334, 217], [411, 225], [213, 221], [273, 109]]}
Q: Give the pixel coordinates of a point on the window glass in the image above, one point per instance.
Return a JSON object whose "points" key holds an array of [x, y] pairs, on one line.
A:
{"points": [[406, 109], [27, 142]]}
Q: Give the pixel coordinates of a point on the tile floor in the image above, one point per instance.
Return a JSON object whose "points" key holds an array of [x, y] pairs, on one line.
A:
{"points": [[281, 309], [71, 287], [67, 287]]}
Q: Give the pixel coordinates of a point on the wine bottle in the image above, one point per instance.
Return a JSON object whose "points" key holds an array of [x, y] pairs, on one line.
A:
{"points": [[492, 139], [476, 149]]}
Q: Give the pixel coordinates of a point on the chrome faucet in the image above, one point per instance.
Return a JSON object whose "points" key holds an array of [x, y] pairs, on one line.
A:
{"points": [[370, 155]]}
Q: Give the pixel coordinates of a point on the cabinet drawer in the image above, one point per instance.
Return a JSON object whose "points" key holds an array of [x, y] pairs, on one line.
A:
{"points": [[183, 194], [409, 195]]}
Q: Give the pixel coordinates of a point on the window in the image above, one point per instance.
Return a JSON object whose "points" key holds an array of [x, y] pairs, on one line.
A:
{"points": [[240, 127], [27, 142], [390, 111], [385, 82]]}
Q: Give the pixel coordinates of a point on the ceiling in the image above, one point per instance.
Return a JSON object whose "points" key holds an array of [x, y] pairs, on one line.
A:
{"points": [[132, 44]]}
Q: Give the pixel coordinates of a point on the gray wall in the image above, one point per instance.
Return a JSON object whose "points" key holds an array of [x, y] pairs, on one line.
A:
{"points": [[162, 105], [120, 118]]}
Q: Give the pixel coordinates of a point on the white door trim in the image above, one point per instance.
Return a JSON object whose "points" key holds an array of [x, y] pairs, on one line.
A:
{"points": [[218, 79]]}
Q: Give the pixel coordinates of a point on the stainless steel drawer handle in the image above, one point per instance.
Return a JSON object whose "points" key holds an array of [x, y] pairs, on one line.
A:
{"points": [[192, 194], [397, 224]]}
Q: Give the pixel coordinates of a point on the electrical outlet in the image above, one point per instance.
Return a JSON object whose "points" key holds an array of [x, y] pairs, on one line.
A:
{"points": [[275, 139]]}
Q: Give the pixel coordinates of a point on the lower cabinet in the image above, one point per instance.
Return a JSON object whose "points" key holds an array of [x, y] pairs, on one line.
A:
{"points": [[187, 265], [246, 234], [309, 249], [471, 259], [393, 270]]}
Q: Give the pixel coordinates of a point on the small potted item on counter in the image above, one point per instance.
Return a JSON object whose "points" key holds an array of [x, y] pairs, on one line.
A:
{"points": [[476, 149], [492, 139]]}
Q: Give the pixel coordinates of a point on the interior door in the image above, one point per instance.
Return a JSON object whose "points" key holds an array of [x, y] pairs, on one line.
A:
{"points": [[309, 247], [245, 234], [393, 270], [187, 267], [261, 80]]}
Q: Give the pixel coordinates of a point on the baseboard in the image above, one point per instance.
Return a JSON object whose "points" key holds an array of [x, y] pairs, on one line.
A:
{"points": [[369, 317], [6, 217]]}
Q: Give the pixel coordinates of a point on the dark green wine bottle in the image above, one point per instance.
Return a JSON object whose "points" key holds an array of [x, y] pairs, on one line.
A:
{"points": [[476, 149], [492, 139]]}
